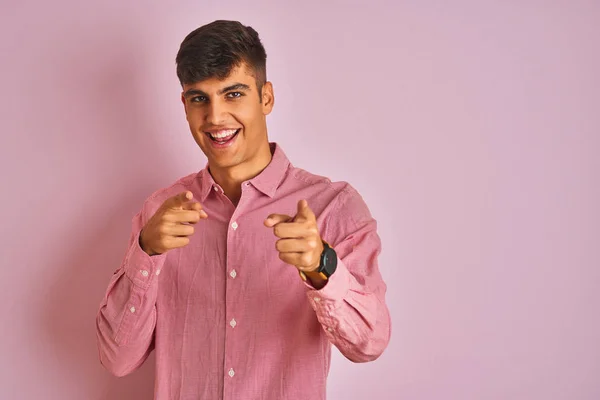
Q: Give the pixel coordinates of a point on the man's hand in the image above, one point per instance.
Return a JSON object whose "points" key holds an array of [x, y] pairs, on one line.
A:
{"points": [[299, 243], [171, 225]]}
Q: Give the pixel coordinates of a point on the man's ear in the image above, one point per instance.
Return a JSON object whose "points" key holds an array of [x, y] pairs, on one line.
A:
{"points": [[268, 98]]}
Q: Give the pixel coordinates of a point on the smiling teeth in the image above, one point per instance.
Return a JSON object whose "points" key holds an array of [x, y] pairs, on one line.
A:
{"points": [[223, 134]]}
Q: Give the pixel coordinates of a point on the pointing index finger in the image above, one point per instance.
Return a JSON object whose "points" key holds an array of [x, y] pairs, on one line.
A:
{"points": [[275, 219]]}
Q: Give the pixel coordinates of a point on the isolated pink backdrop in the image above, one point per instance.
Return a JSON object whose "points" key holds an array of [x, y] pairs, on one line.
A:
{"points": [[472, 129]]}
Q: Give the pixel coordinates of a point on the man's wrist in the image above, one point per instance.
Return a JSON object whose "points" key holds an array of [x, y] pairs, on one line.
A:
{"points": [[144, 248], [316, 279]]}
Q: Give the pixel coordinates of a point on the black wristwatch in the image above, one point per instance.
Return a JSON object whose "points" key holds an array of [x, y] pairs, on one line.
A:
{"points": [[328, 263]]}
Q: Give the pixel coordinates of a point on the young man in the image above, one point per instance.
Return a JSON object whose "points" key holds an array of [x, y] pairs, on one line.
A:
{"points": [[242, 276]]}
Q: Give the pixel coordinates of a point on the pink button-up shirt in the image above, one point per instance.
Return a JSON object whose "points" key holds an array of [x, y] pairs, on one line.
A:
{"points": [[226, 317]]}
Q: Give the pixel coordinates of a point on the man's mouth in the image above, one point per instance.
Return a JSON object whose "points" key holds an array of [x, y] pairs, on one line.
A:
{"points": [[222, 136]]}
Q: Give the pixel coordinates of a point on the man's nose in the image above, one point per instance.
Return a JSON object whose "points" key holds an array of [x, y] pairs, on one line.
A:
{"points": [[216, 113]]}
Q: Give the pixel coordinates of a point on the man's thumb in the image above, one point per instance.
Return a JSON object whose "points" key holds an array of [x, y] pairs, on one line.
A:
{"points": [[302, 206], [304, 211], [180, 199]]}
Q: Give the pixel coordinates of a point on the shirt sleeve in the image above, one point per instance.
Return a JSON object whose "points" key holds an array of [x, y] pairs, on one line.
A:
{"points": [[127, 316], [351, 306]]}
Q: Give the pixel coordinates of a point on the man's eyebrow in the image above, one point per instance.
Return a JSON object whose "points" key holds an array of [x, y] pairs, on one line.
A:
{"points": [[235, 86], [197, 92], [193, 92]]}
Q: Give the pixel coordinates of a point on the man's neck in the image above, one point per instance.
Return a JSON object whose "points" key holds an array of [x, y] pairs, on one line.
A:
{"points": [[230, 179]]}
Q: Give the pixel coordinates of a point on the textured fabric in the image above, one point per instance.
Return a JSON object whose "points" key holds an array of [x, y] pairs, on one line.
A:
{"points": [[226, 317]]}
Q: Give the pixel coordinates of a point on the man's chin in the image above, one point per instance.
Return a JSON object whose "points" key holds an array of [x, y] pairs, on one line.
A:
{"points": [[223, 162]]}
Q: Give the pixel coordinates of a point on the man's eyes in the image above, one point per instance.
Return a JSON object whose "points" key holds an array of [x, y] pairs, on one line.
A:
{"points": [[199, 99], [204, 99]]}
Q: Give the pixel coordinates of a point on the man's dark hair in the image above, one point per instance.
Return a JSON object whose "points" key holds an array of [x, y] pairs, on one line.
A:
{"points": [[213, 50]]}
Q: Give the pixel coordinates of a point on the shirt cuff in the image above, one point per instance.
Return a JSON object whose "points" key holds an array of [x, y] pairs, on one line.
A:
{"points": [[334, 292], [141, 268]]}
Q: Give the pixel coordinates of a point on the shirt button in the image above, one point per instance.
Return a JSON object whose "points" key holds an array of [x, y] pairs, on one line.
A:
{"points": [[158, 272], [132, 309], [234, 226], [231, 372], [329, 329], [233, 274], [144, 273], [233, 323], [216, 188], [317, 299]]}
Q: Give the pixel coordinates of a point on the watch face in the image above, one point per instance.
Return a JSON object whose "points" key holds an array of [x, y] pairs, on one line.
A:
{"points": [[329, 261]]}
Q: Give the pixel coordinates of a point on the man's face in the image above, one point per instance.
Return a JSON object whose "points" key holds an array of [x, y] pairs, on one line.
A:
{"points": [[227, 117]]}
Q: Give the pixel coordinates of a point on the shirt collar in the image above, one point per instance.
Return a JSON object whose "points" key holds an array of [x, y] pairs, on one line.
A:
{"points": [[267, 181]]}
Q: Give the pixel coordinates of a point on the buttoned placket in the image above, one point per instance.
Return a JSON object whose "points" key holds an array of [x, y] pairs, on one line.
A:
{"points": [[234, 229]]}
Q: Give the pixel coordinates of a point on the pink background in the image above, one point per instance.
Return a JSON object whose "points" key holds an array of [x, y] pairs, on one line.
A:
{"points": [[470, 128]]}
